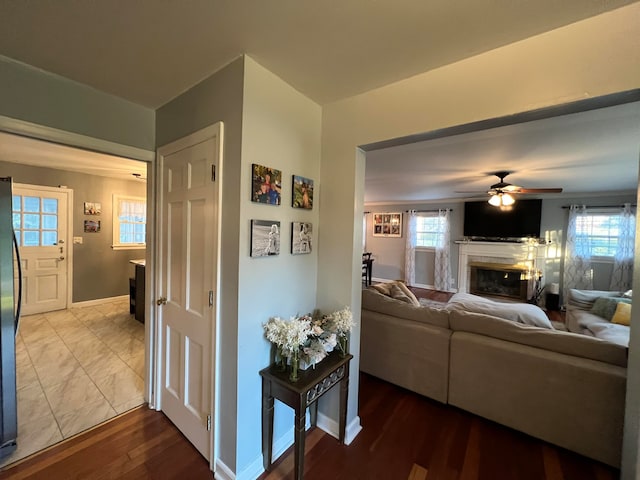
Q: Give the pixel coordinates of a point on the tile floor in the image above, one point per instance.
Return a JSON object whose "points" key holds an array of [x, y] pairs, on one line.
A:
{"points": [[76, 368]]}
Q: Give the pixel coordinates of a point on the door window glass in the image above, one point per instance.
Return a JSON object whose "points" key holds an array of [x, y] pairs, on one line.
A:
{"points": [[35, 220]]}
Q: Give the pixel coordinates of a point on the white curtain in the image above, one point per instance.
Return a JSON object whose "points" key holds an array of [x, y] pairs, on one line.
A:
{"points": [[623, 261], [410, 250], [443, 253], [577, 263]]}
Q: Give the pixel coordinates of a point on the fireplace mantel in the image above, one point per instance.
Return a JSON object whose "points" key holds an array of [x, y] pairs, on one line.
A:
{"points": [[531, 255]]}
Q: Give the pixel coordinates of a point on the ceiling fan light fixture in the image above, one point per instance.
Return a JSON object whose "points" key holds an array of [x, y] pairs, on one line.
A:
{"points": [[501, 200]]}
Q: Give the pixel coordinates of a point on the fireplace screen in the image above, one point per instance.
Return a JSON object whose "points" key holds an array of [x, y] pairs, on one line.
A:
{"points": [[509, 281]]}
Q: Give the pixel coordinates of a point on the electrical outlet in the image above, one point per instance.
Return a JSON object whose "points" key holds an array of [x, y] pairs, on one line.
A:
{"points": [[77, 240]]}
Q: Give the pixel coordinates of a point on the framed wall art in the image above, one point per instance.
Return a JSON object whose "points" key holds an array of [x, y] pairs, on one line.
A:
{"points": [[301, 237], [387, 224], [92, 208], [302, 196], [92, 226], [265, 238], [266, 184]]}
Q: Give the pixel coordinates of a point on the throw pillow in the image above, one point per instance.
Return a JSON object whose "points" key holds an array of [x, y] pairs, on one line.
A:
{"points": [[605, 307], [398, 294], [622, 314], [408, 293], [383, 288]]}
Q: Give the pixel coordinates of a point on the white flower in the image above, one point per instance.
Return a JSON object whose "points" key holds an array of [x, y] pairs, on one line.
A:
{"points": [[342, 321]]}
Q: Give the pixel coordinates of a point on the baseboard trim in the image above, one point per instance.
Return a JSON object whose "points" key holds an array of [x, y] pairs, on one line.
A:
{"points": [[330, 426], [99, 301], [325, 423], [223, 472], [256, 468]]}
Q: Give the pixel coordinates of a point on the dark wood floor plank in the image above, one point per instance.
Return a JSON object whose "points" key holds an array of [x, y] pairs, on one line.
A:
{"points": [[406, 435], [141, 444]]}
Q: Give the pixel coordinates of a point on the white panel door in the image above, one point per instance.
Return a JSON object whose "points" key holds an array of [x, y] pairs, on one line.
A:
{"points": [[188, 273], [40, 224]]}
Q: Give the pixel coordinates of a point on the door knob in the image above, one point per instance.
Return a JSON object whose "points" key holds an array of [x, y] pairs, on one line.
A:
{"points": [[61, 257], [161, 301]]}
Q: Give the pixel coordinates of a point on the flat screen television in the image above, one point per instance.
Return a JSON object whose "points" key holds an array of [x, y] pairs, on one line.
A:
{"points": [[483, 221]]}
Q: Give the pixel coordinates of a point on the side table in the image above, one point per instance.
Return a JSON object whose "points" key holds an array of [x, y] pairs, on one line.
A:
{"points": [[311, 385]]}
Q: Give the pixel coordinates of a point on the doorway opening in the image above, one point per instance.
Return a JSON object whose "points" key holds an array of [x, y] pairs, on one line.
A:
{"points": [[80, 353]]}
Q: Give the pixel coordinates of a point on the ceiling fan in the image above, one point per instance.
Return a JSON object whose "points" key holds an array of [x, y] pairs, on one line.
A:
{"points": [[501, 192]]}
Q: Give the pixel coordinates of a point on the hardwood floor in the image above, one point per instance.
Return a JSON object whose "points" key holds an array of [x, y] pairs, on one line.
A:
{"points": [[406, 436], [140, 444]]}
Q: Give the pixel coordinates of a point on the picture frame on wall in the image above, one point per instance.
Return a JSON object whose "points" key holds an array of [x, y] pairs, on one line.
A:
{"points": [[265, 238], [266, 184], [92, 208], [301, 234], [387, 224], [92, 226], [302, 192]]}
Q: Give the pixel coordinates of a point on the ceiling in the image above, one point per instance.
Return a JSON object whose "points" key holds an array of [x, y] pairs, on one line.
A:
{"points": [[150, 51], [595, 151], [27, 151]]}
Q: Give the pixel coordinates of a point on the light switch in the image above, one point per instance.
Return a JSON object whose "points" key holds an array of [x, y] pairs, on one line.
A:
{"points": [[77, 240]]}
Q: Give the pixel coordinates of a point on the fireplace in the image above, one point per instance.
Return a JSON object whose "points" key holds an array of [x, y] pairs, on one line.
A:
{"points": [[499, 280], [521, 263]]}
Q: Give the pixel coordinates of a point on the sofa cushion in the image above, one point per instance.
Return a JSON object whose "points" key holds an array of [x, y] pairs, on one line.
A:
{"points": [[517, 312], [553, 340], [605, 307], [377, 302], [622, 314]]}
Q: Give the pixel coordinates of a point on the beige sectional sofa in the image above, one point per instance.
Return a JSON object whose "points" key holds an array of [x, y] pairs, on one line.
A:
{"points": [[564, 388]]}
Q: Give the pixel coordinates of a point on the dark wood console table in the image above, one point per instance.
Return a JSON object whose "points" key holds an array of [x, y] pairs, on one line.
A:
{"points": [[311, 385]]}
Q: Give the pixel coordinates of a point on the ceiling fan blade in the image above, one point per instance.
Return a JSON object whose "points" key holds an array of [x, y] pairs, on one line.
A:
{"points": [[538, 190]]}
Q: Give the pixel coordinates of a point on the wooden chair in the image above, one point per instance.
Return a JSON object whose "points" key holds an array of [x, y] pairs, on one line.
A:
{"points": [[367, 266]]}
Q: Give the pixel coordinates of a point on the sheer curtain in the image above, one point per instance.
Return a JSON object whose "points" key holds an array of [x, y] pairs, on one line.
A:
{"points": [[443, 253], [577, 263], [623, 261], [410, 249]]}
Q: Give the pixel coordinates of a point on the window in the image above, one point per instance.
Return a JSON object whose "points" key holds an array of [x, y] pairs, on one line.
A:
{"points": [[428, 230], [35, 220], [602, 231], [129, 222]]}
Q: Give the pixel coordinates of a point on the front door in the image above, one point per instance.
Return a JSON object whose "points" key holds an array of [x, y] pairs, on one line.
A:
{"points": [[40, 223], [188, 290]]}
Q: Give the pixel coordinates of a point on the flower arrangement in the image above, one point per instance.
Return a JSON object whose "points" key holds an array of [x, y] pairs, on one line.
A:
{"points": [[309, 337]]}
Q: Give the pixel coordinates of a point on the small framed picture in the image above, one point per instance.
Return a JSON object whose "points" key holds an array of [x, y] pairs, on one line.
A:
{"points": [[302, 196], [92, 226], [92, 208], [387, 224], [266, 185], [301, 237], [265, 238]]}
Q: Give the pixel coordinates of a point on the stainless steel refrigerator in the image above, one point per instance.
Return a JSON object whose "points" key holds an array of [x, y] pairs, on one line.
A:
{"points": [[9, 317]]}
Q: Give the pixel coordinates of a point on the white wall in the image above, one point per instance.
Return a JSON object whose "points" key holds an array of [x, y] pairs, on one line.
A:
{"points": [[281, 129], [590, 58]]}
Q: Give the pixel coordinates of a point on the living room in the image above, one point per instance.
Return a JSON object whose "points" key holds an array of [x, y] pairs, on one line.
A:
{"points": [[590, 155]]}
